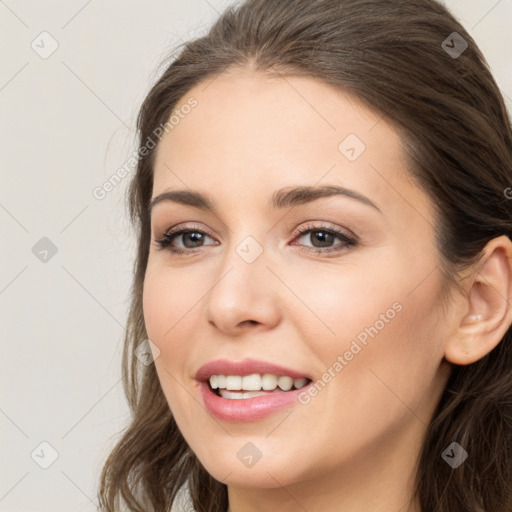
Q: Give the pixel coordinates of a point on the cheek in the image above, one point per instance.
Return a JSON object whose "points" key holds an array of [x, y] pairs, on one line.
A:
{"points": [[169, 319], [168, 297], [155, 305], [169, 305], [380, 367], [376, 317], [339, 303]]}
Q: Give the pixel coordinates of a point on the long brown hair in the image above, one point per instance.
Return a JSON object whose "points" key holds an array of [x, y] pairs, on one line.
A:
{"points": [[402, 59]]}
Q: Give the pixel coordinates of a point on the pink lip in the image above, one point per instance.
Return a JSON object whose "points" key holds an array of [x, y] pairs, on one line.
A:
{"points": [[245, 367], [245, 409]]}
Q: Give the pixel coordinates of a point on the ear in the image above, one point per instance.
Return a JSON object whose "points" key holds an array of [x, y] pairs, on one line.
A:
{"points": [[487, 311]]}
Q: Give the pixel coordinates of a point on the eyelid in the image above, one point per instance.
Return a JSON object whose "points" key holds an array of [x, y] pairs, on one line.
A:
{"points": [[328, 226], [164, 241], [188, 227], [297, 231], [347, 240]]}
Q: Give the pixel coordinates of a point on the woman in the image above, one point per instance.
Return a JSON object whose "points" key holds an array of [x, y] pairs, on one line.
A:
{"points": [[323, 270]]}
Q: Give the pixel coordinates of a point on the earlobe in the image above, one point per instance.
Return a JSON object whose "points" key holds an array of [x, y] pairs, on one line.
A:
{"points": [[488, 305]]}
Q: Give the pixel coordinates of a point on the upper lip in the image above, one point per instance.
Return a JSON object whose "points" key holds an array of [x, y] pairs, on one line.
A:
{"points": [[245, 367]]}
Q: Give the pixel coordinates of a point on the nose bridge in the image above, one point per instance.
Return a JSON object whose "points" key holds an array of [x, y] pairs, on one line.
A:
{"points": [[243, 289]]}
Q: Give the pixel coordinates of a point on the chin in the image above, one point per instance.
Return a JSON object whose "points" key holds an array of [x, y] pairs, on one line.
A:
{"points": [[264, 476], [231, 464]]}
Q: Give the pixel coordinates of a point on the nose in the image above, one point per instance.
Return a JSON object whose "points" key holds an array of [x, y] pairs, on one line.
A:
{"points": [[244, 295]]}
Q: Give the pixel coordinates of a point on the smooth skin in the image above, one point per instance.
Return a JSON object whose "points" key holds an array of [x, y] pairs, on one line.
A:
{"points": [[354, 446]]}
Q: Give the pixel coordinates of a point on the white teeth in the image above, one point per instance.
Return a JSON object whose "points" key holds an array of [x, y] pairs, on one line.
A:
{"points": [[233, 382], [285, 383], [256, 382], [251, 382], [221, 380], [297, 383], [237, 395], [269, 382]]}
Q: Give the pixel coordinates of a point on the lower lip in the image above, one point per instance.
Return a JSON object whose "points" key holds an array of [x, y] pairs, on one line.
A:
{"points": [[247, 409]]}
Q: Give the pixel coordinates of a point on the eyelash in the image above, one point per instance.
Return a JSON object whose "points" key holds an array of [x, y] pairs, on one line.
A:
{"points": [[167, 238]]}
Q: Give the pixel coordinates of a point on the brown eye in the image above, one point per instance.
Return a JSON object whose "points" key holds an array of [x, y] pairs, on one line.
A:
{"points": [[322, 238], [190, 238]]}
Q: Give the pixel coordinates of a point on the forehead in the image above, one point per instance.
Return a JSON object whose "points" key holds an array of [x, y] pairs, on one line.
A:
{"points": [[257, 111], [250, 134]]}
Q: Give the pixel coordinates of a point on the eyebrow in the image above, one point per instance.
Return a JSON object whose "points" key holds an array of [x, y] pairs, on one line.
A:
{"points": [[283, 198]]}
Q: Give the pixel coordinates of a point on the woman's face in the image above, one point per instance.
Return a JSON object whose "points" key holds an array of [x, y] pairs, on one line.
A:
{"points": [[352, 304]]}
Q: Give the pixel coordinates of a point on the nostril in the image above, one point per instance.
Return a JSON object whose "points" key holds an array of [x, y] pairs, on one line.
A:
{"points": [[252, 322]]}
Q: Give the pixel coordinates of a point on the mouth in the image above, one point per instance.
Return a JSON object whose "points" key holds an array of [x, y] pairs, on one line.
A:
{"points": [[236, 387], [249, 390]]}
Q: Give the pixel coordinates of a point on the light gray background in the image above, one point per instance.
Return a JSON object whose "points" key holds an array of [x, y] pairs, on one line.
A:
{"points": [[66, 125]]}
